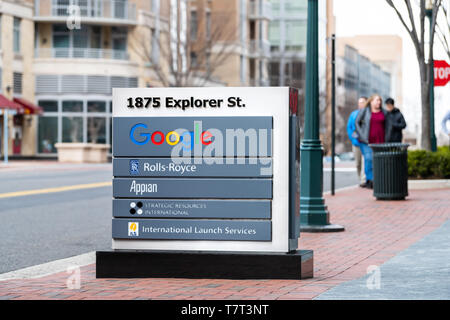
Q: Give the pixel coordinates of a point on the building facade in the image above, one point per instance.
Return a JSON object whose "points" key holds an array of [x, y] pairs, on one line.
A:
{"points": [[66, 56], [83, 49], [287, 36], [247, 44], [386, 51], [16, 75], [356, 76]]}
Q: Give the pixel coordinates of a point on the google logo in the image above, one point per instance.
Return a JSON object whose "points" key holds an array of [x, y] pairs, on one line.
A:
{"points": [[140, 135]]}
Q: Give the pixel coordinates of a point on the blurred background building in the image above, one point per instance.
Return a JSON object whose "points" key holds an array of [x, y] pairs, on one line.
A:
{"points": [[60, 60], [63, 57], [356, 76], [287, 36]]}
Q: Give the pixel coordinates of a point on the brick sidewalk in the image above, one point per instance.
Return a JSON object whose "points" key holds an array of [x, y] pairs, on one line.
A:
{"points": [[375, 232]]}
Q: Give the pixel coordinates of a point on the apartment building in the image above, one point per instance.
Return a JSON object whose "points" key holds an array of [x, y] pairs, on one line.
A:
{"points": [[287, 36], [60, 59], [83, 49], [386, 51], [238, 29], [16, 76]]}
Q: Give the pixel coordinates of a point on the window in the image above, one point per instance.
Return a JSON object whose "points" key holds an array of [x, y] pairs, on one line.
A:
{"points": [[96, 106], [48, 105], [274, 73], [194, 61], [119, 42], [194, 26], [80, 37], [87, 42], [295, 35], [72, 106], [16, 35], [243, 70], [96, 130], [155, 47], [48, 134], [76, 120], [208, 25], [17, 83], [96, 37], [274, 33], [72, 129]]}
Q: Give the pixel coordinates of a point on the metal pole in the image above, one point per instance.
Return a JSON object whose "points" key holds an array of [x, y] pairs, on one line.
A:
{"points": [[432, 133], [5, 135], [333, 110], [314, 215]]}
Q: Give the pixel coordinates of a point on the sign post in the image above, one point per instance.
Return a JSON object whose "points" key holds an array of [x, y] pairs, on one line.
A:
{"points": [[206, 184]]}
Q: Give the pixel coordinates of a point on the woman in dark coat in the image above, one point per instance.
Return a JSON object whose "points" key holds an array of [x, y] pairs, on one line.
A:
{"points": [[370, 127]]}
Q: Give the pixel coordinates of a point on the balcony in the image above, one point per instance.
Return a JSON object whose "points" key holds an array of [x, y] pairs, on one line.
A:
{"points": [[259, 49], [260, 9], [81, 53], [100, 12]]}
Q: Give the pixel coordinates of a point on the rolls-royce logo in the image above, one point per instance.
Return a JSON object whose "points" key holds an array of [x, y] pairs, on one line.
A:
{"points": [[134, 167]]}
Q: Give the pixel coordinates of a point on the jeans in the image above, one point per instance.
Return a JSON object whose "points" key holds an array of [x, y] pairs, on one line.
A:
{"points": [[359, 164], [368, 158]]}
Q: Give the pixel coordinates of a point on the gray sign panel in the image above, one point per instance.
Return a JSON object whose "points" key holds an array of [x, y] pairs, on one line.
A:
{"points": [[215, 209], [192, 136], [192, 188], [166, 167], [174, 229]]}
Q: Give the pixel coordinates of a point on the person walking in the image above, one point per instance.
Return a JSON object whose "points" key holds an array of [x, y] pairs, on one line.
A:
{"points": [[395, 122], [352, 135], [370, 128]]}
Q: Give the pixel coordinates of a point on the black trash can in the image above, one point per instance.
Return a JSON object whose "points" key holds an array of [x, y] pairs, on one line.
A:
{"points": [[390, 171]]}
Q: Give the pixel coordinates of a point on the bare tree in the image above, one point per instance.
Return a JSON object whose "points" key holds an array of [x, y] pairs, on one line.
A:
{"points": [[443, 29], [415, 26], [191, 55]]}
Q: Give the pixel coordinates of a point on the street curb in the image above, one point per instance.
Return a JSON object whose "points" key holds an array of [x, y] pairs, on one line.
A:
{"points": [[56, 266], [341, 189], [428, 184], [49, 268]]}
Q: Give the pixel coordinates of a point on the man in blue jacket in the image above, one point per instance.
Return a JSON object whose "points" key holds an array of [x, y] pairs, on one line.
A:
{"points": [[353, 136]]}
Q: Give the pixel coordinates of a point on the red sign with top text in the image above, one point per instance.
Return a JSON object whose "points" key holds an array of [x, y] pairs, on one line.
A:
{"points": [[441, 73]]}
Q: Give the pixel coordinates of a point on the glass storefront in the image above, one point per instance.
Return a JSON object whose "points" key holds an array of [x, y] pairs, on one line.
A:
{"points": [[47, 134], [86, 120]]}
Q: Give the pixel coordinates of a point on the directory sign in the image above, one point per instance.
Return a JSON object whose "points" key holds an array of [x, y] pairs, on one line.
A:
{"points": [[205, 169]]}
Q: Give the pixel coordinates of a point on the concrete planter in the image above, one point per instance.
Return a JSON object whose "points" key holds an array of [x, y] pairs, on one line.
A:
{"points": [[428, 184], [82, 152]]}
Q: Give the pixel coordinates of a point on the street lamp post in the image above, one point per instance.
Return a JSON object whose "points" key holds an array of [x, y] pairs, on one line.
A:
{"points": [[429, 13], [314, 216]]}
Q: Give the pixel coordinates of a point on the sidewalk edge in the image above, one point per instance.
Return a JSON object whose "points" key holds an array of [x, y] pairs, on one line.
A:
{"points": [[49, 268]]}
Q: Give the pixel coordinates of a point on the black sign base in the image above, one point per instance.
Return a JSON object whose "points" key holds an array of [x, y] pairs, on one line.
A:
{"points": [[204, 265]]}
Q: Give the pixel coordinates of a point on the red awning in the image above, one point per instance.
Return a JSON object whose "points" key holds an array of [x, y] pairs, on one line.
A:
{"points": [[8, 104], [30, 108]]}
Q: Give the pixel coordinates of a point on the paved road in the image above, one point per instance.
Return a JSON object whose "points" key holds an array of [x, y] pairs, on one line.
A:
{"points": [[54, 225], [425, 268], [40, 228]]}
